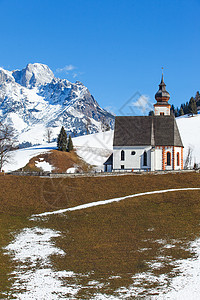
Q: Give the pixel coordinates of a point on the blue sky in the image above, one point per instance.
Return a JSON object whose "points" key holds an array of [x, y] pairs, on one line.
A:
{"points": [[116, 48]]}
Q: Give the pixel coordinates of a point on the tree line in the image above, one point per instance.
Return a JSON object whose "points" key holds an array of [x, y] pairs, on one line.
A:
{"points": [[188, 107]]}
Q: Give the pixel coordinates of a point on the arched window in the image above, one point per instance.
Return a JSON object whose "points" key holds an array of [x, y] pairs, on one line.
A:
{"points": [[178, 159], [122, 155], [168, 159], [145, 159]]}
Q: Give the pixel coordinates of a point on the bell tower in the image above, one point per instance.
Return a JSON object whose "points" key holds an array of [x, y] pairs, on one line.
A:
{"points": [[162, 107]]}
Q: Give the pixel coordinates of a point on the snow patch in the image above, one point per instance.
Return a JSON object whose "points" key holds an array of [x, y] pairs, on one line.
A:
{"points": [[71, 170], [32, 249], [33, 245], [44, 165]]}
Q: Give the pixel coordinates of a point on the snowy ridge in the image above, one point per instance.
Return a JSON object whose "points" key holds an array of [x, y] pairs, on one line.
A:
{"points": [[33, 99]]}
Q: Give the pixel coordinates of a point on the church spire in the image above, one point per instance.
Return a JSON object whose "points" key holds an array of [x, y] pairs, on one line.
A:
{"points": [[162, 97]]}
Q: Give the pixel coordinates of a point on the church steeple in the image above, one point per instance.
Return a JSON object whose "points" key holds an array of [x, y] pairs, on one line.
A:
{"points": [[162, 97]]}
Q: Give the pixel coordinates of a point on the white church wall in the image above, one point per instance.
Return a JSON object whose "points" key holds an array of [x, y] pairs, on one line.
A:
{"points": [[131, 162], [153, 159], [158, 159], [162, 109], [177, 150], [168, 149]]}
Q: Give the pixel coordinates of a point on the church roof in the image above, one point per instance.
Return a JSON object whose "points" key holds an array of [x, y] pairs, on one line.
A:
{"points": [[148, 130], [109, 161]]}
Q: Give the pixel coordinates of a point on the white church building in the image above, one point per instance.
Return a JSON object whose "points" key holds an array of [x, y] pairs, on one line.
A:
{"points": [[147, 142]]}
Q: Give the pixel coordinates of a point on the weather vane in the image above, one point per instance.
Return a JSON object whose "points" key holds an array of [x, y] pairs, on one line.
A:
{"points": [[162, 70]]}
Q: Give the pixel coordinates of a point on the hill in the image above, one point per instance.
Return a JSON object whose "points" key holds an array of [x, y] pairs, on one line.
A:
{"points": [[57, 162]]}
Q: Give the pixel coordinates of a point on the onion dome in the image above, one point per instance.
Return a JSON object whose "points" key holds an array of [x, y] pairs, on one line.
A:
{"points": [[162, 95]]}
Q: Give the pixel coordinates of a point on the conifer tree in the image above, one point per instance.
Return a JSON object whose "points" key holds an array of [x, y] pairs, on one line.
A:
{"points": [[151, 113], [185, 108], [172, 109], [181, 112], [197, 98], [192, 107], [62, 140], [176, 112], [70, 144]]}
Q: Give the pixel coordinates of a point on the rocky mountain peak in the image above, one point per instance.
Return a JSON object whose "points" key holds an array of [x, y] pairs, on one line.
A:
{"points": [[33, 75]]}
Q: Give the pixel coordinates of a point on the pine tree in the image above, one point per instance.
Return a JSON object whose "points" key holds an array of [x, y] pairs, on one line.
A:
{"points": [[176, 112], [182, 107], [151, 113], [70, 144], [192, 107], [62, 140], [181, 112], [197, 98], [185, 108], [172, 109]]}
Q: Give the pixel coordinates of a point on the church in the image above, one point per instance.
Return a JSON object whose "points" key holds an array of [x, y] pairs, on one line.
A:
{"points": [[147, 143]]}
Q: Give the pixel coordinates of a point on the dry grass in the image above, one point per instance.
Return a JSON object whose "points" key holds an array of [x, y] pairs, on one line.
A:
{"points": [[27, 195], [106, 240]]}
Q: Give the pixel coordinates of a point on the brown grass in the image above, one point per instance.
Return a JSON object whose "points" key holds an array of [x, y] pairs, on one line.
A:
{"points": [[27, 195]]}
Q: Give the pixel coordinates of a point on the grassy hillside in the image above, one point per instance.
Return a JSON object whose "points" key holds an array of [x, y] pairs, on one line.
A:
{"points": [[29, 195], [109, 244]]}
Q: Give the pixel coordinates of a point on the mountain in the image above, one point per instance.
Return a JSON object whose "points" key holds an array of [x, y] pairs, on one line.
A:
{"points": [[33, 100]]}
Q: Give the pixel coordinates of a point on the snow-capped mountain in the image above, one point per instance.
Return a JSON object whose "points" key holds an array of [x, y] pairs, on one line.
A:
{"points": [[33, 99]]}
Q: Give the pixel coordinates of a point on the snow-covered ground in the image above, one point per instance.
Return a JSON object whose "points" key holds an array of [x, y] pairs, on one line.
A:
{"points": [[95, 148], [19, 158], [189, 128]]}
